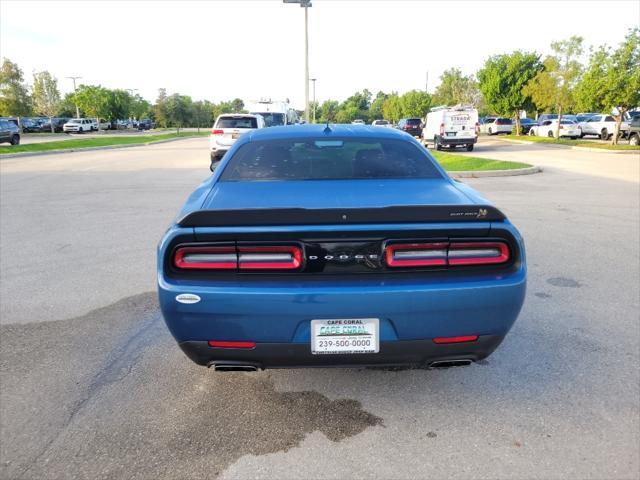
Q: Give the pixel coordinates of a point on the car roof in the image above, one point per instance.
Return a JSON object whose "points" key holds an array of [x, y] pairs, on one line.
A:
{"points": [[239, 115], [315, 130]]}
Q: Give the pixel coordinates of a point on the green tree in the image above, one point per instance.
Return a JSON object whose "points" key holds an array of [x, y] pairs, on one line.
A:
{"points": [[392, 108], [553, 87], [502, 80], [119, 105], [327, 111], [93, 100], [456, 88], [178, 111], [375, 110], [589, 92], [160, 108], [67, 106], [14, 94], [237, 105], [140, 108], [46, 96], [347, 113], [415, 103], [617, 87]]}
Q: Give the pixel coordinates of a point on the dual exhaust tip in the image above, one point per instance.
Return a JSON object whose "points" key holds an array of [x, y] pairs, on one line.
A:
{"points": [[248, 367]]}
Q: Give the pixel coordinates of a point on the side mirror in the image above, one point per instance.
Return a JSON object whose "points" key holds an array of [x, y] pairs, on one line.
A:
{"points": [[214, 165]]}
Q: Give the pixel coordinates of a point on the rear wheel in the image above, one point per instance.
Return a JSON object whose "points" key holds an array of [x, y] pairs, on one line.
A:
{"points": [[604, 135], [550, 134], [470, 148], [531, 132], [436, 143], [634, 140], [490, 132], [15, 140]]}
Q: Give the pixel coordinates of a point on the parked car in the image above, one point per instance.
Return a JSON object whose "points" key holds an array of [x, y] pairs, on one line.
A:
{"points": [[451, 127], [634, 131], [146, 124], [381, 123], [497, 125], [296, 253], [526, 124], [227, 129], [413, 126], [58, 123], [30, 125], [78, 125], [546, 116], [358, 121], [583, 117], [602, 126], [568, 128], [104, 124], [9, 132]]}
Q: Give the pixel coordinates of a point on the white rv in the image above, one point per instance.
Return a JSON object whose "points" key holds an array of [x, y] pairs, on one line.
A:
{"points": [[451, 127], [275, 113]]}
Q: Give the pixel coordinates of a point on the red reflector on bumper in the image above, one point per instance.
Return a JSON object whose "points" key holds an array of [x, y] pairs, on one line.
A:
{"points": [[223, 344], [462, 339]]}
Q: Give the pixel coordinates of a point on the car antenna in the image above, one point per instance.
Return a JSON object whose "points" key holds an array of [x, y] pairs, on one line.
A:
{"points": [[327, 129]]}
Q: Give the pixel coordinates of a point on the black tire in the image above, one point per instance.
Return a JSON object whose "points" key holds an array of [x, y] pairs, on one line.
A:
{"points": [[550, 134], [531, 132], [436, 143], [574, 138], [604, 135], [15, 140], [634, 140], [470, 148], [489, 131], [582, 135]]}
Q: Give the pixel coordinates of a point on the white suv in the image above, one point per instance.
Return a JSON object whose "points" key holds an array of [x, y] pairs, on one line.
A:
{"points": [[78, 125], [602, 126], [227, 129]]}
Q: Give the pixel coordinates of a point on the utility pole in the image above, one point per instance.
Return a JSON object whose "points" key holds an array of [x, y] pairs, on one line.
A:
{"points": [[74, 91], [314, 99], [131, 90], [305, 4], [426, 83]]}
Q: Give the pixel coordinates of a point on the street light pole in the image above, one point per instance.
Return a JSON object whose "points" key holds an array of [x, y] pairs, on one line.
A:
{"points": [[314, 99], [74, 91], [305, 4]]}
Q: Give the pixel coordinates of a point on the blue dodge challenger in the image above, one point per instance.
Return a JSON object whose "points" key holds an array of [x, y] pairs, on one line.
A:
{"points": [[338, 245]]}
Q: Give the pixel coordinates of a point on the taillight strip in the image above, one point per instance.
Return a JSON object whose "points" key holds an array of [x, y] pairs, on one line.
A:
{"points": [[416, 254], [206, 258], [478, 253], [443, 253], [269, 257]]}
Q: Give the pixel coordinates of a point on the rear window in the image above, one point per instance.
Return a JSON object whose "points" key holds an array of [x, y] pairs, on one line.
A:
{"points": [[504, 121], [414, 121], [609, 119], [329, 159], [237, 122], [567, 122]]}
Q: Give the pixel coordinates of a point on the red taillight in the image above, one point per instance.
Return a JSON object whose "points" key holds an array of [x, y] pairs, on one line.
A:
{"points": [[217, 131], [443, 253], [225, 344], [269, 257], [416, 254], [478, 253], [442, 129], [477, 128], [206, 258], [461, 339]]}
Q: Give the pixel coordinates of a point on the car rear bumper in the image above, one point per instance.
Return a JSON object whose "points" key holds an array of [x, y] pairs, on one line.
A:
{"points": [[457, 141], [292, 355]]}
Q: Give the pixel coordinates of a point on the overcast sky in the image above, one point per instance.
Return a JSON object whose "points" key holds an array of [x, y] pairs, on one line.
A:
{"points": [[219, 50]]}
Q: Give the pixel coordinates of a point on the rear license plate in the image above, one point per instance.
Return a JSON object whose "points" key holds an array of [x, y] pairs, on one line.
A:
{"points": [[345, 336], [235, 135]]}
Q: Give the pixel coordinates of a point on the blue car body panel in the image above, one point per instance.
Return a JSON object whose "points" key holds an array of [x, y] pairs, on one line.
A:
{"points": [[277, 309]]}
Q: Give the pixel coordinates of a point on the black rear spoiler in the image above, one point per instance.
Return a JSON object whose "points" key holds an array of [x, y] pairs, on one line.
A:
{"points": [[345, 216]]}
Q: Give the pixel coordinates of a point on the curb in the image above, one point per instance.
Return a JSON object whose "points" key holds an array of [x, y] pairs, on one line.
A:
{"points": [[570, 147], [496, 173], [87, 149]]}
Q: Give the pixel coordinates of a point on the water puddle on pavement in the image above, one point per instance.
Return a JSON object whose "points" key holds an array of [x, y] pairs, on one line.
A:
{"points": [[111, 394]]}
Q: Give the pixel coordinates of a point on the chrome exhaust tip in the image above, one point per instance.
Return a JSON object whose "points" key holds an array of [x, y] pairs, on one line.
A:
{"points": [[233, 367], [461, 362]]}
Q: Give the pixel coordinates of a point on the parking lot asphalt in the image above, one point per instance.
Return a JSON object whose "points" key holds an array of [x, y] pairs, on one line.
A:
{"points": [[93, 386]]}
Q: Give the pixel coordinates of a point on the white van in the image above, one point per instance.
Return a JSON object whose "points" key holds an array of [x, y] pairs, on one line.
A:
{"points": [[275, 113], [451, 127]]}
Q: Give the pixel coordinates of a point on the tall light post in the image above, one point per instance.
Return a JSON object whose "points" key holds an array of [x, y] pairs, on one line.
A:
{"points": [[131, 90], [314, 99], [74, 91], [305, 4]]}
